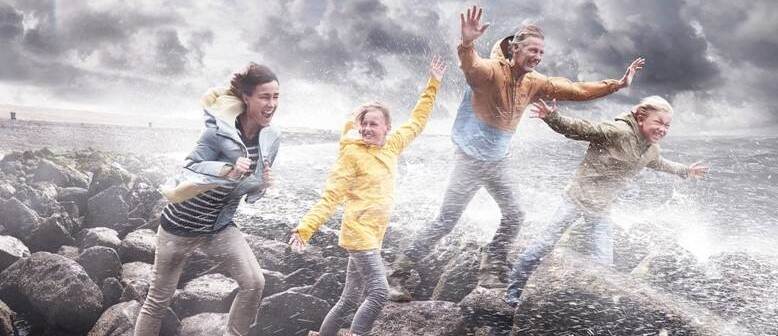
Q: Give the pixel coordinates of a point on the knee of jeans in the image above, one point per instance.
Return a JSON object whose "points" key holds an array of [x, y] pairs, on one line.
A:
{"points": [[255, 282]]}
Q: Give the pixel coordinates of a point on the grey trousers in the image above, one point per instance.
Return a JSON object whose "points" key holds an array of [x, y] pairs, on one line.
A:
{"points": [[228, 246], [468, 176], [366, 278]]}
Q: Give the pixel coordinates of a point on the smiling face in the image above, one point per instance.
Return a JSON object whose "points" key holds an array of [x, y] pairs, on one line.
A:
{"points": [[261, 104], [655, 125], [373, 127], [527, 54]]}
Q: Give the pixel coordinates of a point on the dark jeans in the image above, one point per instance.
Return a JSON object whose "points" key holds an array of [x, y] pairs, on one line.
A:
{"points": [[598, 227], [468, 177]]}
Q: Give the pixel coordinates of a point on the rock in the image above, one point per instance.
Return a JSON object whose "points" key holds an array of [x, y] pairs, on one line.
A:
{"points": [[7, 190], [11, 250], [51, 172], [79, 196], [100, 262], [108, 176], [429, 318], [569, 294], [212, 293], [43, 199], [135, 290], [139, 246], [486, 307], [17, 219], [459, 278], [50, 235], [119, 320], [300, 277], [7, 318], [70, 252], [137, 271], [274, 283], [112, 291], [205, 324], [55, 288], [327, 288], [99, 236], [109, 209], [200, 263], [289, 314]]}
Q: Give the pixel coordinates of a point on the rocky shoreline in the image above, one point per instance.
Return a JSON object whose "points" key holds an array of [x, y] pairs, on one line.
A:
{"points": [[77, 241]]}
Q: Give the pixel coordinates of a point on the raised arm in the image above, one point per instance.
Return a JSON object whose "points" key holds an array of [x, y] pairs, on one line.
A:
{"points": [[334, 193], [573, 128], [405, 134], [564, 89], [695, 170], [475, 69]]}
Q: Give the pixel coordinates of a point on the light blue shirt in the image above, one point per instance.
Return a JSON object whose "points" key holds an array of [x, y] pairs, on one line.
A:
{"points": [[475, 138]]}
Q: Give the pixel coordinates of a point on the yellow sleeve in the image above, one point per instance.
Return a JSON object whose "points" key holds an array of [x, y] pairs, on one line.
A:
{"points": [[334, 193], [404, 135], [564, 89]]}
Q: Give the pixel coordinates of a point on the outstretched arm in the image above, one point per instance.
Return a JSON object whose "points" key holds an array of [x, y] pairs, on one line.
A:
{"points": [[475, 69], [404, 135], [564, 89], [573, 128], [695, 170]]}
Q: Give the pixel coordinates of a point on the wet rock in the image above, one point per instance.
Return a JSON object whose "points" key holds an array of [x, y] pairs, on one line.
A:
{"points": [[99, 236], [274, 283], [17, 219], [108, 176], [7, 318], [458, 279], [486, 307], [48, 171], [50, 235], [55, 288], [79, 196], [200, 263], [70, 252], [569, 294], [112, 291], [134, 290], [300, 277], [137, 271], [326, 288], [11, 250], [109, 209], [429, 318], [289, 314], [43, 199], [139, 246], [100, 262], [119, 320], [205, 324], [212, 293]]}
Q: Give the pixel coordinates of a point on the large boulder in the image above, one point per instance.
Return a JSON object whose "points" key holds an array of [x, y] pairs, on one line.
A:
{"points": [[137, 271], [52, 233], [11, 250], [60, 175], [205, 324], [119, 320], [429, 318], [139, 245], [459, 278], [487, 307], [79, 196], [99, 236], [289, 313], [109, 209], [212, 293], [108, 176], [100, 262], [112, 291], [55, 288], [7, 318], [16, 219], [569, 294]]}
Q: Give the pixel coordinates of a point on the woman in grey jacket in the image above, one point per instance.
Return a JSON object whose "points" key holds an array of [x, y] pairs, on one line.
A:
{"points": [[231, 159]]}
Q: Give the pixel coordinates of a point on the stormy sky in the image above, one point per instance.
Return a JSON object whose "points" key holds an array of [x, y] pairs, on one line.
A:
{"points": [[714, 59]]}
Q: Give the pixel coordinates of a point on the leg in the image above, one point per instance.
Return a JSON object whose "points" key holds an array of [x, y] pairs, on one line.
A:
{"points": [[169, 259], [230, 247], [376, 290], [349, 299], [602, 238], [529, 259], [463, 183], [501, 187]]}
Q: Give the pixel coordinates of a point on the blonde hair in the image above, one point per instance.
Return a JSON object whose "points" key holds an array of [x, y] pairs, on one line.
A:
{"points": [[650, 104], [361, 111], [526, 32]]}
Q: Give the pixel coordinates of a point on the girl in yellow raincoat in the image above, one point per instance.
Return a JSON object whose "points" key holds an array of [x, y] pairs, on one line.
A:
{"points": [[363, 178]]}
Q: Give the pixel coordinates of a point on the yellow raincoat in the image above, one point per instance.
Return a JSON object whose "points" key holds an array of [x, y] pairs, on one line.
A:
{"points": [[363, 177]]}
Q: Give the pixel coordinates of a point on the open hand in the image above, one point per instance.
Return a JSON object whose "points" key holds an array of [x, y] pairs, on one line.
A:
{"points": [[437, 67], [471, 25], [296, 242], [698, 170], [632, 69], [541, 110]]}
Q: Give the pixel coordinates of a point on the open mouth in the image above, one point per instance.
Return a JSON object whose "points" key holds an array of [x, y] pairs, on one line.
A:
{"points": [[268, 114]]}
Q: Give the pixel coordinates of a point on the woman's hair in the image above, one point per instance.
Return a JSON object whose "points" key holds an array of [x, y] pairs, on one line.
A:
{"points": [[243, 83], [650, 104], [526, 32], [359, 114]]}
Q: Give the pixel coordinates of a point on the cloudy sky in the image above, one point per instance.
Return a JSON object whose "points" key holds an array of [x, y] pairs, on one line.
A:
{"points": [[715, 60]]}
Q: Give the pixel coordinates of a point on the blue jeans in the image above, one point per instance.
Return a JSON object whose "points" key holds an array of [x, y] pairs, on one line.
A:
{"points": [[598, 227]]}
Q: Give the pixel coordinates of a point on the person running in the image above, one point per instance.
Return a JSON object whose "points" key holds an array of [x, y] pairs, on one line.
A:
{"points": [[364, 179], [618, 151], [231, 159]]}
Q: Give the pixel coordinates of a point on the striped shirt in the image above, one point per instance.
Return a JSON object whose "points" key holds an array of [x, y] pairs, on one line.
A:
{"points": [[198, 214]]}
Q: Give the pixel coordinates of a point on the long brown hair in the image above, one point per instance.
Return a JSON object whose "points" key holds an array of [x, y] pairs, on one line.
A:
{"points": [[243, 83]]}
